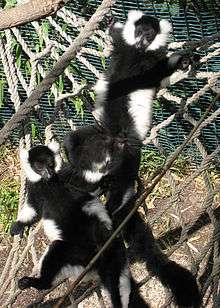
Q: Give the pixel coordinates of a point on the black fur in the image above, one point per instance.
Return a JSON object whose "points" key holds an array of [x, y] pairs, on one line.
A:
{"points": [[81, 233], [132, 68]]}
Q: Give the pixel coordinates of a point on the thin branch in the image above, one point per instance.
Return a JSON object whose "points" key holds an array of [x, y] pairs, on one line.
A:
{"points": [[139, 202], [27, 12], [84, 35]]}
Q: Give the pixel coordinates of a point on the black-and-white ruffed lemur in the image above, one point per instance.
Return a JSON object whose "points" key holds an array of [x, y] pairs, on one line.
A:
{"points": [[77, 225], [110, 152]]}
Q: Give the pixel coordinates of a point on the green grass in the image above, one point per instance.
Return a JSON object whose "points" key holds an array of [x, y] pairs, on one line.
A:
{"points": [[151, 160], [9, 188], [8, 204]]}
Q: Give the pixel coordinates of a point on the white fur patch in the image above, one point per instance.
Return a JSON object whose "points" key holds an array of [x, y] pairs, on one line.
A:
{"points": [[98, 113], [92, 176], [118, 25], [26, 214], [70, 271], [55, 148], [40, 262], [58, 162], [140, 109], [95, 208], [129, 27], [125, 287], [161, 38], [31, 175], [165, 26], [95, 176], [51, 230], [101, 88]]}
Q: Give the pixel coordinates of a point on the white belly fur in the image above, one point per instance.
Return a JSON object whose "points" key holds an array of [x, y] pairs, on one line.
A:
{"points": [[51, 230], [140, 109]]}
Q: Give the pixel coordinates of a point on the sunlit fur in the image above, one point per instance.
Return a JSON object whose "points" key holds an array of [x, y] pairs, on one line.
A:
{"points": [[77, 225], [124, 96]]}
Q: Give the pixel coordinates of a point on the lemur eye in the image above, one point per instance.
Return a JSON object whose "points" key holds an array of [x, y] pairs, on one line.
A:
{"points": [[139, 32], [39, 165]]}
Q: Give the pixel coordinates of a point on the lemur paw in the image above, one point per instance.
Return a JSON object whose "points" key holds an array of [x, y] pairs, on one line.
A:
{"points": [[184, 63], [114, 27], [187, 60], [17, 228], [111, 20], [24, 283]]}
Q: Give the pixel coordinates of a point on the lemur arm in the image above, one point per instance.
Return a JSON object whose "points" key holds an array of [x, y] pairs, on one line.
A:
{"points": [[121, 190], [27, 216], [115, 32], [155, 77]]}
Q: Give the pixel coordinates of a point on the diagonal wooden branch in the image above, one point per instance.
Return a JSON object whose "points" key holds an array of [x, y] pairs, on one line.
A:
{"points": [[57, 70], [30, 11]]}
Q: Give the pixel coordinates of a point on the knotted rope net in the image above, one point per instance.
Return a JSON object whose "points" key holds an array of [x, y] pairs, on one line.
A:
{"points": [[36, 106]]}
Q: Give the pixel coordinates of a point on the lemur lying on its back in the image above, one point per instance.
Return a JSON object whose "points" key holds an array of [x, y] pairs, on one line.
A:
{"points": [[77, 225]]}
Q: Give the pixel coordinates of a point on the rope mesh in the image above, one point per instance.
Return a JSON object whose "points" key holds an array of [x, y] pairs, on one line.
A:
{"points": [[29, 52], [52, 37]]}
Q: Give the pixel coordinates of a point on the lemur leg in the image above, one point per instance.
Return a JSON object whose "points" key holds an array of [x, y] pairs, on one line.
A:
{"points": [[26, 217], [117, 279], [143, 247], [54, 260], [115, 274], [122, 187], [118, 197]]}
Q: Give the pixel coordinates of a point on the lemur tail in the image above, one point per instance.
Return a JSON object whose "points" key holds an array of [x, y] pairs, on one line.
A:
{"points": [[143, 247]]}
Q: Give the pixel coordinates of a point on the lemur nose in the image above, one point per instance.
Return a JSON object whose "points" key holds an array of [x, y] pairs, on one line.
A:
{"points": [[47, 174]]}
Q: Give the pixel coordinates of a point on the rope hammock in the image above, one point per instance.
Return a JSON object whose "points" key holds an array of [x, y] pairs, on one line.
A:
{"points": [[35, 59]]}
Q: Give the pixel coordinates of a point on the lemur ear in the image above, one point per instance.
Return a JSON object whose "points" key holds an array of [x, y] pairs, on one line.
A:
{"points": [[24, 155], [134, 15], [165, 26], [54, 146], [31, 175], [129, 27]]}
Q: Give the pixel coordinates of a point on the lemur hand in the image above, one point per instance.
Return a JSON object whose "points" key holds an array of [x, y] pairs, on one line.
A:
{"points": [[17, 228], [188, 57], [183, 59]]}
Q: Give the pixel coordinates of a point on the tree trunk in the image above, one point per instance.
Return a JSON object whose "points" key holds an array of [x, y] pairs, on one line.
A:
{"points": [[27, 12]]}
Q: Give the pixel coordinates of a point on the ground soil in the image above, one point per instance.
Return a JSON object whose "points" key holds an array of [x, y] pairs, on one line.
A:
{"points": [[167, 230]]}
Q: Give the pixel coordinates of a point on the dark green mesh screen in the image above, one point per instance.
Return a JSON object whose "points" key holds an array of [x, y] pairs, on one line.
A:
{"points": [[190, 21]]}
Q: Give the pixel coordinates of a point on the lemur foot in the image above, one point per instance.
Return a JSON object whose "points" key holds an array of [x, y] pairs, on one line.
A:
{"points": [[37, 283], [24, 283], [17, 228]]}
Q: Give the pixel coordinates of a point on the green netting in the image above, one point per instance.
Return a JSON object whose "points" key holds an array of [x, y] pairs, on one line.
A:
{"points": [[190, 21]]}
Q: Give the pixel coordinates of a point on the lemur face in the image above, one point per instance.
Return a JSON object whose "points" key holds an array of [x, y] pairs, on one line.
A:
{"points": [[145, 32], [42, 161], [146, 29], [97, 156]]}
